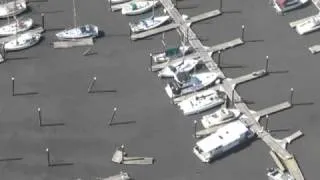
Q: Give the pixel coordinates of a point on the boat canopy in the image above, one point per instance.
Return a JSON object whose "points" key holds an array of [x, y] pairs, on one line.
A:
{"points": [[172, 51], [133, 6], [281, 3]]}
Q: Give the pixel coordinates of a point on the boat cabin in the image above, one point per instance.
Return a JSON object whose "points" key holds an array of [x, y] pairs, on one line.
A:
{"points": [[222, 140], [277, 174]]}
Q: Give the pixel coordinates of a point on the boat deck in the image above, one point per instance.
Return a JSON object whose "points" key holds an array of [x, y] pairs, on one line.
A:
{"points": [[9, 38]]}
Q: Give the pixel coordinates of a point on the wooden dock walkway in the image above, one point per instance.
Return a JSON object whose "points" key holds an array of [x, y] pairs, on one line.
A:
{"points": [[287, 158]]}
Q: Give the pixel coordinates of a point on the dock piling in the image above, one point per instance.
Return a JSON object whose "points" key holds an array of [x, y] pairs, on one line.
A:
{"points": [[113, 116], [12, 88], [291, 96], [48, 157], [42, 21], [267, 64], [92, 84], [242, 32], [39, 116]]}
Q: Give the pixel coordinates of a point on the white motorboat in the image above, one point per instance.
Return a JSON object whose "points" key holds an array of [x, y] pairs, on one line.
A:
{"points": [[277, 174], [202, 102], [12, 8], [221, 116], [118, 1], [308, 26], [185, 66], [283, 6], [120, 176], [17, 26], [171, 53], [84, 31], [138, 7], [22, 41], [148, 23], [185, 83]]}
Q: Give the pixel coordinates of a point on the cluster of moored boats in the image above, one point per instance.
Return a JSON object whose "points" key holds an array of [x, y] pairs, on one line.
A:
{"points": [[191, 87], [17, 33], [306, 26]]}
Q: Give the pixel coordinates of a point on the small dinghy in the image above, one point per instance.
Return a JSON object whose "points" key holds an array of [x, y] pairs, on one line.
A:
{"points": [[283, 6], [138, 7], [186, 84], [222, 116], [308, 26], [17, 26], [185, 66], [202, 102], [12, 8], [22, 41], [148, 23], [84, 31]]}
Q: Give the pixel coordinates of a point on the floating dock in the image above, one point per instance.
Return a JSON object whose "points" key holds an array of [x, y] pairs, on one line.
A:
{"points": [[225, 45], [73, 43], [273, 109]]}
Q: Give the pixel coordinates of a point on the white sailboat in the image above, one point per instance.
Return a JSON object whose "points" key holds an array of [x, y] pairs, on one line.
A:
{"points": [[202, 102], [308, 26], [138, 7], [148, 23], [185, 66], [12, 8], [77, 32], [22, 41], [17, 26]]}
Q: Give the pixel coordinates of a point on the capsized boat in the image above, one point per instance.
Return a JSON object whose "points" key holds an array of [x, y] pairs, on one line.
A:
{"points": [[22, 41], [185, 66], [283, 6], [148, 23], [12, 8], [185, 83], [308, 26], [202, 102], [221, 116], [84, 31], [171, 53], [138, 7], [17, 26]]}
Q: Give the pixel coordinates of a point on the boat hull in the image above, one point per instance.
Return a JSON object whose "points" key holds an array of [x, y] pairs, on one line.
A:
{"points": [[23, 41], [13, 28], [79, 32], [143, 6], [12, 9]]}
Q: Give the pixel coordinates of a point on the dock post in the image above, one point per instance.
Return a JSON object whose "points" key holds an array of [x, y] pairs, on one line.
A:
{"points": [[267, 64], [113, 116], [232, 97], [92, 84], [42, 20], [150, 61], [195, 123], [291, 96], [12, 88], [242, 32], [220, 6], [39, 116], [48, 157], [219, 59]]}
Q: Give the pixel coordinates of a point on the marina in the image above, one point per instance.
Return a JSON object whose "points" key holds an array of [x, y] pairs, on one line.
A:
{"points": [[203, 130]]}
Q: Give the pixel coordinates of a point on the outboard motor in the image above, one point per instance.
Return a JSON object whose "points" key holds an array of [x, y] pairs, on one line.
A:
{"points": [[175, 87]]}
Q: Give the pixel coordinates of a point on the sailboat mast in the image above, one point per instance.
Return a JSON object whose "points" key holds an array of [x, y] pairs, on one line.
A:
{"points": [[74, 14]]}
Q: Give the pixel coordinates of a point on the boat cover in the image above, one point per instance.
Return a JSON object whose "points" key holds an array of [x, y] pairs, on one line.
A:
{"points": [[281, 3]]}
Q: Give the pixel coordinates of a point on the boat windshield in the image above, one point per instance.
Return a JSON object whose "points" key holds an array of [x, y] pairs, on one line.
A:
{"points": [[172, 51], [183, 77]]}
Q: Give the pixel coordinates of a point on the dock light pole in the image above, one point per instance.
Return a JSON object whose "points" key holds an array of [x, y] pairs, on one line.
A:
{"points": [[113, 116], [42, 20], [267, 123], [39, 116], [122, 152], [48, 157], [242, 32], [219, 59], [92, 84], [232, 97], [267, 64], [12, 86], [291, 96], [195, 123]]}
